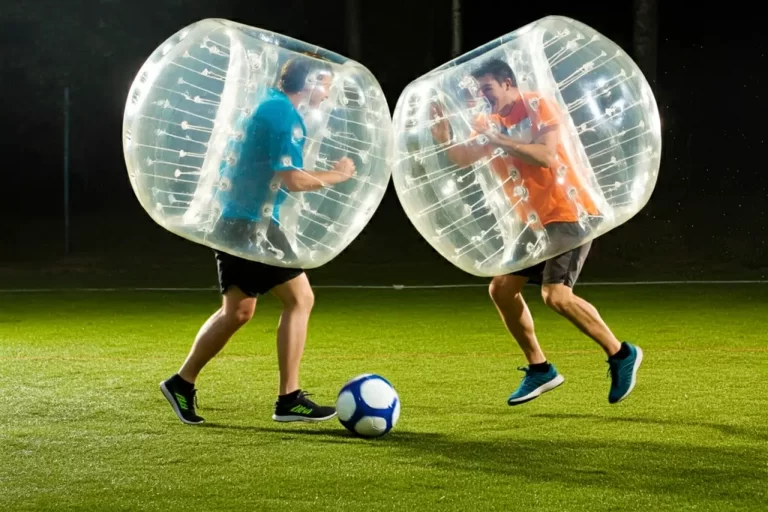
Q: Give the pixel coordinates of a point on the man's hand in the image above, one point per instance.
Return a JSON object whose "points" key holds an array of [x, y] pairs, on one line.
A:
{"points": [[481, 126], [441, 130], [346, 167]]}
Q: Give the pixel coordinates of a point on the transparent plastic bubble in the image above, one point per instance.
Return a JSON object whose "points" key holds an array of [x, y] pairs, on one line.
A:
{"points": [[554, 132], [233, 138]]}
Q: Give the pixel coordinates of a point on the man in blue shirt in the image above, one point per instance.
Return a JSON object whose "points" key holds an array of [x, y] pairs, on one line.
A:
{"points": [[269, 142], [262, 164]]}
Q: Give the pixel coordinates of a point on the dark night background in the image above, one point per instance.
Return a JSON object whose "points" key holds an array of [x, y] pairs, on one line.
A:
{"points": [[705, 220]]}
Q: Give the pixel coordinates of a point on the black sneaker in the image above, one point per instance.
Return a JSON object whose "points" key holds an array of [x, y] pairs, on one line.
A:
{"points": [[302, 409], [182, 399]]}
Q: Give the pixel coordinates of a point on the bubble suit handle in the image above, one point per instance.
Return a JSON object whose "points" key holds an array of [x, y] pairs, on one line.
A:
{"points": [[527, 147], [257, 144]]}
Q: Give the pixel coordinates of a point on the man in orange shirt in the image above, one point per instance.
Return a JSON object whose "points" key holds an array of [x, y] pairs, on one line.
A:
{"points": [[549, 193]]}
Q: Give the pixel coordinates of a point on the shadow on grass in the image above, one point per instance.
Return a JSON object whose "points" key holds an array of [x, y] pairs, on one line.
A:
{"points": [[734, 475], [313, 431], [699, 473], [294, 430], [729, 430]]}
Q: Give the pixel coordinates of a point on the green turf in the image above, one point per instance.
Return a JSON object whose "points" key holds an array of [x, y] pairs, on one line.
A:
{"points": [[83, 425]]}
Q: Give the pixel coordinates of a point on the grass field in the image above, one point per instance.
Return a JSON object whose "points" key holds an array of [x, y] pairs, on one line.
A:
{"points": [[84, 426]]}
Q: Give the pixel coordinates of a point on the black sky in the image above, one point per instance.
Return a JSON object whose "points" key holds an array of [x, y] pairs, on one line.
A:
{"points": [[711, 82]]}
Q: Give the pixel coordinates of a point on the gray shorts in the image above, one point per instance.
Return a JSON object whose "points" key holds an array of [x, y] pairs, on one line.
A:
{"points": [[566, 267]]}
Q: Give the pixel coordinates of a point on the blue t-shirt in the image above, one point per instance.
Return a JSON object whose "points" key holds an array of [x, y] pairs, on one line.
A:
{"points": [[272, 142]]}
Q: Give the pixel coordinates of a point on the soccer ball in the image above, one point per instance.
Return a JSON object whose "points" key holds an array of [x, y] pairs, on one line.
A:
{"points": [[368, 405]]}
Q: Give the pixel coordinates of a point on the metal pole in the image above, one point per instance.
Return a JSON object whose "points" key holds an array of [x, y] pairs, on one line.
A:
{"points": [[66, 171], [456, 24], [353, 29], [646, 34]]}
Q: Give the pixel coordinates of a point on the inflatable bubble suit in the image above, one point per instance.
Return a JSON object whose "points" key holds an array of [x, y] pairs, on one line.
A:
{"points": [[527, 147], [257, 144]]}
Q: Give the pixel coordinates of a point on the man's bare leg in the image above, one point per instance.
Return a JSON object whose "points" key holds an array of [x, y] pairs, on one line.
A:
{"points": [[624, 359], [236, 310], [298, 299], [540, 376], [506, 293], [561, 299], [292, 403]]}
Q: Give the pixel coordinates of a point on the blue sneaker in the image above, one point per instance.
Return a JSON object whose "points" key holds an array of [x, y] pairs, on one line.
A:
{"points": [[624, 373], [535, 384]]}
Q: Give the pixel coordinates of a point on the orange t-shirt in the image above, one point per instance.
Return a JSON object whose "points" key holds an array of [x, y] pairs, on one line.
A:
{"points": [[547, 187]]}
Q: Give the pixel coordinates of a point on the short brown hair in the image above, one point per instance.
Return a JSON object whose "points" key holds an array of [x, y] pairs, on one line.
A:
{"points": [[497, 68], [294, 73]]}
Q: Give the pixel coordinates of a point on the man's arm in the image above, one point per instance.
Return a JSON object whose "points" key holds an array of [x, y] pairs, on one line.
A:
{"points": [[542, 151], [461, 154], [301, 180], [465, 155], [287, 160]]}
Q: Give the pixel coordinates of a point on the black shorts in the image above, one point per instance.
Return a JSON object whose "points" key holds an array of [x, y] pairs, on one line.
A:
{"points": [[252, 277], [566, 267]]}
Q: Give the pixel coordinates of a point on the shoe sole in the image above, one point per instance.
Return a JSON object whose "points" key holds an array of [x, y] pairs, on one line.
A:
{"points": [[547, 386], [168, 396], [635, 367], [293, 418]]}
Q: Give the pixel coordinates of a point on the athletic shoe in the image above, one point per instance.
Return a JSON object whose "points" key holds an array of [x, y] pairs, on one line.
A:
{"points": [[182, 399], [534, 384], [623, 373], [302, 409]]}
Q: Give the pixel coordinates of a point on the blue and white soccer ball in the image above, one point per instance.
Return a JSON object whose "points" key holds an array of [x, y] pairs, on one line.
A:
{"points": [[368, 405]]}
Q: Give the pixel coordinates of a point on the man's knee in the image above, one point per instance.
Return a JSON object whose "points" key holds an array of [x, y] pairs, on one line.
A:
{"points": [[558, 297], [244, 313], [302, 299], [238, 308], [505, 288]]}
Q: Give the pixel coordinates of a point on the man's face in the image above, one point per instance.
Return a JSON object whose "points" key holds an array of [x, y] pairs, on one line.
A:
{"points": [[319, 89], [500, 94]]}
